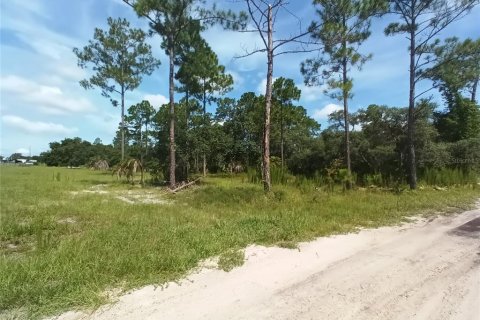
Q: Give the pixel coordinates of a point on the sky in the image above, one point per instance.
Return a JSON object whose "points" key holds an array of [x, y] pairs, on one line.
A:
{"points": [[41, 100]]}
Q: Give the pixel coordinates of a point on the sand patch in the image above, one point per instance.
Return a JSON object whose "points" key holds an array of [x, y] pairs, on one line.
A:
{"points": [[139, 196]]}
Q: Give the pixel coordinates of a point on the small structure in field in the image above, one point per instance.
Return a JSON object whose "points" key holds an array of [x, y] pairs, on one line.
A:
{"points": [[100, 165]]}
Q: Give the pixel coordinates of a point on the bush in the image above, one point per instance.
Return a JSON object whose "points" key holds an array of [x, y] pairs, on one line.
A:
{"points": [[465, 154]]}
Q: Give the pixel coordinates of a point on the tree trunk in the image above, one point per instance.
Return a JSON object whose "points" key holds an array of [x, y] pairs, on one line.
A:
{"points": [[205, 127], [187, 116], [347, 128], [122, 123], [345, 93], [146, 136], [411, 112], [282, 142], [141, 144], [172, 120], [474, 90], [204, 99], [268, 101], [204, 164]]}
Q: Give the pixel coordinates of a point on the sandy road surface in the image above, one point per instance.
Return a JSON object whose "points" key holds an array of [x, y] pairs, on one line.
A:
{"points": [[429, 269]]}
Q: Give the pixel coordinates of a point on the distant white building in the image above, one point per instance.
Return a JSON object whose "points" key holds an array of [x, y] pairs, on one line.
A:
{"points": [[25, 162]]}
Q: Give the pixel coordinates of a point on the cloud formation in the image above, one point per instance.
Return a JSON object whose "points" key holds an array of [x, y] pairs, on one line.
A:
{"points": [[311, 93], [237, 44], [156, 100], [238, 80], [49, 99], [262, 86], [35, 127], [323, 113]]}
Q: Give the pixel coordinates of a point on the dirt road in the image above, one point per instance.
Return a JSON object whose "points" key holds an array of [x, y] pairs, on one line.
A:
{"points": [[429, 269]]}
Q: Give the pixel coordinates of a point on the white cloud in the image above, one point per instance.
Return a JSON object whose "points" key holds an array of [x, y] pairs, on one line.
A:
{"points": [[26, 22], [262, 86], [323, 113], [69, 71], [311, 93], [35, 127], [49, 99], [34, 8], [105, 122], [238, 44], [238, 80], [23, 151], [156, 100]]}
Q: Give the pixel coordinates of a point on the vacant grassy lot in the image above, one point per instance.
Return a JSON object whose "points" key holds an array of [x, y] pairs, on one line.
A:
{"points": [[67, 237]]}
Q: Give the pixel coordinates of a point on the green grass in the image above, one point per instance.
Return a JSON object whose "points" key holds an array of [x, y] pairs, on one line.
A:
{"points": [[61, 250]]}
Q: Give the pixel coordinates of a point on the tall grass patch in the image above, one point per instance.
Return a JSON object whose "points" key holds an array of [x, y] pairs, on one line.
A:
{"points": [[450, 177]]}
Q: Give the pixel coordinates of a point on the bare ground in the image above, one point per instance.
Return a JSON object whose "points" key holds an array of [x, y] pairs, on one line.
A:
{"points": [[427, 269]]}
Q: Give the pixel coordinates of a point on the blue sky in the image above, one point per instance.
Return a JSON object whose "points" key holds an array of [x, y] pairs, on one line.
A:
{"points": [[41, 100]]}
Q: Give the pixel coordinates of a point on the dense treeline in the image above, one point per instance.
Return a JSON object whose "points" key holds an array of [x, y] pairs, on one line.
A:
{"points": [[376, 144], [77, 152], [231, 139]]}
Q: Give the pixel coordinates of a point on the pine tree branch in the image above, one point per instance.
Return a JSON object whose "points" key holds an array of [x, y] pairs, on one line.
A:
{"points": [[257, 23]]}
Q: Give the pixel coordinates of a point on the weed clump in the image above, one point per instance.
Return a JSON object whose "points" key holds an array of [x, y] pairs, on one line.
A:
{"points": [[231, 259]]}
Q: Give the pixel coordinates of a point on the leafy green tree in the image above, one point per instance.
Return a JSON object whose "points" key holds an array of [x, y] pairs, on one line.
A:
{"points": [[380, 148], [189, 143], [202, 73], [284, 92], [301, 132], [464, 154], [422, 21], [310, 158], [77, 152], [119, 57], [69, 152], [139, 118], [460, 121], [456, 71], [174, 22], [203, 76], [242, 121], [456, 68], [344, 25]]}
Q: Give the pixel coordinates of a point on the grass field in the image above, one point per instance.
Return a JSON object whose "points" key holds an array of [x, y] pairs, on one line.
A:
{"points": [[68, 237]]}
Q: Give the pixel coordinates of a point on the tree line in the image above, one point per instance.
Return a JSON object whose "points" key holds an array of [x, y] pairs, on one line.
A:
{"points": [[267, 130]]}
